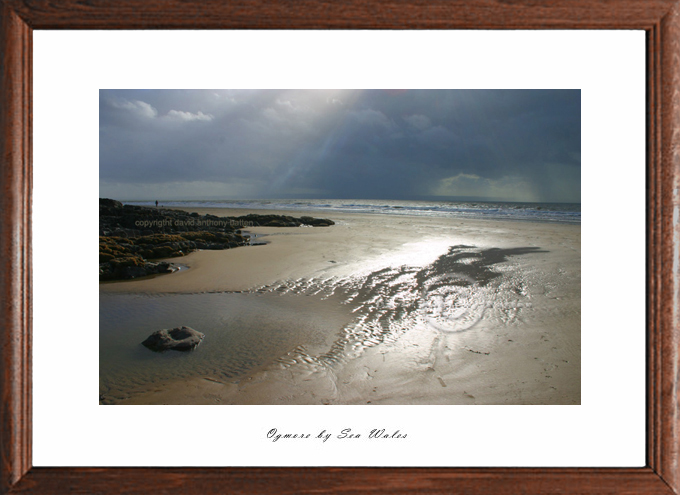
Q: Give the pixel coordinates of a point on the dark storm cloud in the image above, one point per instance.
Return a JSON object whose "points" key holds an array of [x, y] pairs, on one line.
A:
{"points": [[495, 144]]}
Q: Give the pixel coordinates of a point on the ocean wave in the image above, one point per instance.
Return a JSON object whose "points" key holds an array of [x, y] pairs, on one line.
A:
{"points": [[535, 212]]}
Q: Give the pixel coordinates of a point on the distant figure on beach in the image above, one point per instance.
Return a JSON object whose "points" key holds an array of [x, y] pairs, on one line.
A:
{"points": [[156, 203]]}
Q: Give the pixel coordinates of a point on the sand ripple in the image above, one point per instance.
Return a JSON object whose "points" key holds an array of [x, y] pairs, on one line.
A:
{"points": [[451, 295]]}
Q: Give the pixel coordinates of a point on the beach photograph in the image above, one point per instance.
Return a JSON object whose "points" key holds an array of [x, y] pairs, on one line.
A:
{"points": [[339, 247]]}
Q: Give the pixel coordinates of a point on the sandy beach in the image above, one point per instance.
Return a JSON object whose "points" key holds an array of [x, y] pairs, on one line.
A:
{"points": [[413, 310]]}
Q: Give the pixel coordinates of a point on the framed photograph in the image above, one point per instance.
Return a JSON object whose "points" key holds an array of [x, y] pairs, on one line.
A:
{"points": [[137, 449]]}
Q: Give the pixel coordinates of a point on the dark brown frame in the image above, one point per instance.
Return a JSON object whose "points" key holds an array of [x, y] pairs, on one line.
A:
{"points": [[660, 19]]}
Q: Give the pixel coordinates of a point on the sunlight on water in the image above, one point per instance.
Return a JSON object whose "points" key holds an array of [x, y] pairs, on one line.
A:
{"points": [[418, 253], [312, 324], [451, 294]]}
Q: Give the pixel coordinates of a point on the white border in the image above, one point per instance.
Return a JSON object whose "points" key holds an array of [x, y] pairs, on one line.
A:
{"points": [[71, 429]]}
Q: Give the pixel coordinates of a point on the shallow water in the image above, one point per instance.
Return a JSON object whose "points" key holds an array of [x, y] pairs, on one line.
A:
{"points": [[451, 295], [242, 331], [317, 324]]}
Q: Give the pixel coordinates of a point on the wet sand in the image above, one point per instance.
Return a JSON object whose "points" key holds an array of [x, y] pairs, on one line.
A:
{"points": [[494, 321]]}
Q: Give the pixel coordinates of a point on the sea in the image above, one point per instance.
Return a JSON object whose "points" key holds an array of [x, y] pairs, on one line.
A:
{"points": [[569, 213]]}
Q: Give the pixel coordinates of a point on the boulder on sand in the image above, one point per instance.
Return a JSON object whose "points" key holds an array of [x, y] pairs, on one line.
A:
{"points": [[176, 339]]}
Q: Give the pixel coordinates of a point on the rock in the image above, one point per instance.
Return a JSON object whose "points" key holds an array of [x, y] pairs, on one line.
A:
{"points": [[110, 203], [160, 267], [131, 236], [104, 257], [176, 339], [317, 222]]}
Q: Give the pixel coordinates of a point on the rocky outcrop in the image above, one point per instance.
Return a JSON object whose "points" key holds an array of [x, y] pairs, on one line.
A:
{"points": [[132, 267], [283, 221], [317, 222], [108, 203], [132, 237], [118, 220], [176, 339]]}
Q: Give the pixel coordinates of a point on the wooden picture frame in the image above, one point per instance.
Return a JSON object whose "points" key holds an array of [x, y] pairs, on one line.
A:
{"points": [[660, 19]]}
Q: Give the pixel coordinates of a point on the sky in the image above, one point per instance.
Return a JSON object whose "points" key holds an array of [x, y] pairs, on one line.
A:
{"points": [[493, 145]]}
